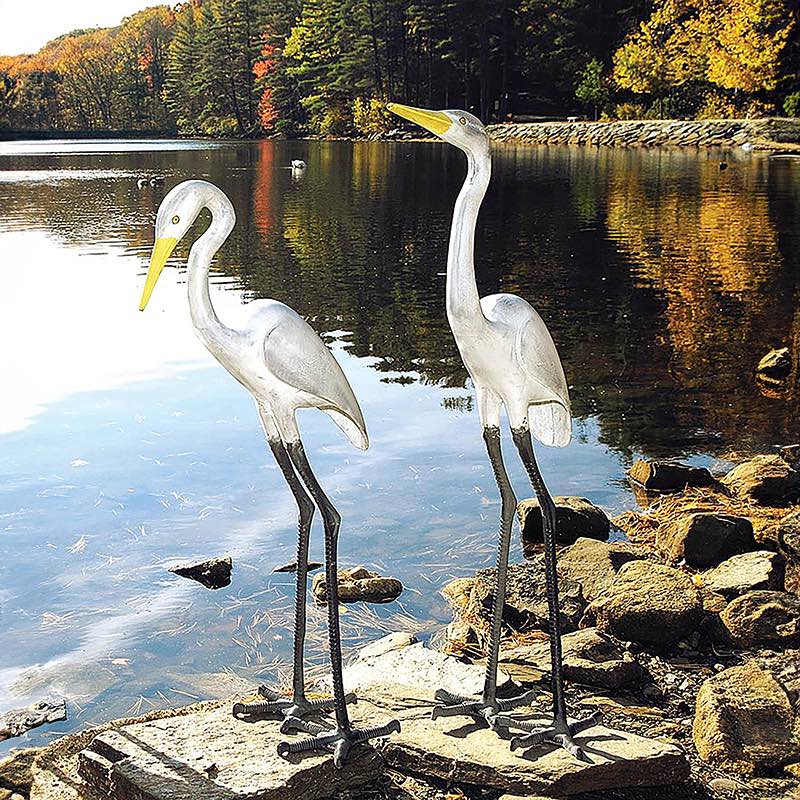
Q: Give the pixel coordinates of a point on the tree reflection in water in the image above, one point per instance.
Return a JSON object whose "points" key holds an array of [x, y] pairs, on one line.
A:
{"points": [[662, 278]]}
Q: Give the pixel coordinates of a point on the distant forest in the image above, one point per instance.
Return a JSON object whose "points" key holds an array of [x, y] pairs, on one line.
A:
{"points": [[327, 67]]}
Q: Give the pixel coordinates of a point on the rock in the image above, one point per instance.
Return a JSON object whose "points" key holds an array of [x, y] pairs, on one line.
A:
{"points": [[704, 539], [618, 705], [668, 476], [790, 453], [793, 770], [19, 721], [207, 753], [744, 722], [455, 750], [203, 752], [526, 600], [357, 584], [15, 770], [392, 641], [777, 364], [762, 618], [726, 786], [789, 548], [417, 665], [215, 573], [292, 566], [590, 657], [575, 517], [761, 569], [594, 564], [764, 479], [647, 603]]}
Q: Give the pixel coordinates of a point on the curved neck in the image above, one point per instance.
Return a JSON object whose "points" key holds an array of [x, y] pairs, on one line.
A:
{"points": [[462, 291], [204, 318]]}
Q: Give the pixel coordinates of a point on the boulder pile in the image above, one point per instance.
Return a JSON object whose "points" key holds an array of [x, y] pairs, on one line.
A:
{"points": [[688, 628]]}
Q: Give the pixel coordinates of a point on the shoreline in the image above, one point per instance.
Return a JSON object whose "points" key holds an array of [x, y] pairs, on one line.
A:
{"points": [[781, 134], [772, 133]]}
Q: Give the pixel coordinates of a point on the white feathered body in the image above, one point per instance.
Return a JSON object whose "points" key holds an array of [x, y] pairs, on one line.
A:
{"points": [[279, 358], [513, 362]]}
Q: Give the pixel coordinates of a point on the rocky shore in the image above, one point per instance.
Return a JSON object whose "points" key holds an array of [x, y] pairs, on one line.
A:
{"points": [[758, 134], [687, 631]]}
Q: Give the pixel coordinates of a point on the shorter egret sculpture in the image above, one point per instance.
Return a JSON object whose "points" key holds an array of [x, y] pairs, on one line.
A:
{"points": [[513, 363], [285, 366]]}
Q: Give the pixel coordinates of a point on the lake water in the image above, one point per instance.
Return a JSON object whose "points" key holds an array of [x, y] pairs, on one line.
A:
{"points": [[125, 448]]}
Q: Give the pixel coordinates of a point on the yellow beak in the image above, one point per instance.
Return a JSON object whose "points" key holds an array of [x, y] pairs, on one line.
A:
{"points": [[435, 121], [162, 250]]}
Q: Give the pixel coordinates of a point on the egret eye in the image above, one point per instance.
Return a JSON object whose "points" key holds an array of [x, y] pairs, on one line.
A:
{"points": [[462, 120], [176, 219]]}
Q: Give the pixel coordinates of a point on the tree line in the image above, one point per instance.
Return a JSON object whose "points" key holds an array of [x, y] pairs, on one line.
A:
{"points": [[258, 67]]}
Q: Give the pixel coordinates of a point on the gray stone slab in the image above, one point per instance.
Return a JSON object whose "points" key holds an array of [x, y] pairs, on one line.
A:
{"points": [[211, 755], [458, 750], [204, 753]]}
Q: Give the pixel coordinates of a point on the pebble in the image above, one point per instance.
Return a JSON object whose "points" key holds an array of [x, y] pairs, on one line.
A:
{"points": [[725, 786]]}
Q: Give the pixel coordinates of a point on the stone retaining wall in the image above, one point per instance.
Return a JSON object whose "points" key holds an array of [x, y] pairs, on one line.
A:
{"points": [[773, 133]]}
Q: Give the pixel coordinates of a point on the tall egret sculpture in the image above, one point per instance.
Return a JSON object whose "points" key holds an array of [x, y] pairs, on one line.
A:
{"points": [[513, 363], [285, 366]]}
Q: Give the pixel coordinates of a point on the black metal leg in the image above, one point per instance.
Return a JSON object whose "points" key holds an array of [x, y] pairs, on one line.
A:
{"points": [[561, 731], [488, 707], [344, 736], [298, 707]]}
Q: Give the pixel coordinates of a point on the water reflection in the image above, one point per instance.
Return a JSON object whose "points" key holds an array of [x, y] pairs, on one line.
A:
{"points": [[663, 278], [124, 447]]}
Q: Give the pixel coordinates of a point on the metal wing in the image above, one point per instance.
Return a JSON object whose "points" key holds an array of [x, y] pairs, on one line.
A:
{"points": [[549, 417], [294, 353]]}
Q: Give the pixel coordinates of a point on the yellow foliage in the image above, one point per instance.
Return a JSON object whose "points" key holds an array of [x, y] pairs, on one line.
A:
{"points": [[734, 44], [745, 42], [630, 111], [370, 115]]}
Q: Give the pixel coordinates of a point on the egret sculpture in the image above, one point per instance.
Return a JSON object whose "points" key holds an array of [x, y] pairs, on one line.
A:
{"points": [[513, 363], [285, 366]]}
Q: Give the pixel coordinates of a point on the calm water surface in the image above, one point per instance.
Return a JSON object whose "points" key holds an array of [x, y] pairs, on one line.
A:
{"points": [[124, 447]]}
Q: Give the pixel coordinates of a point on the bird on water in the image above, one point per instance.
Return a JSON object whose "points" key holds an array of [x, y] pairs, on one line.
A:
{"points": [[282, 362], [513, 362]]}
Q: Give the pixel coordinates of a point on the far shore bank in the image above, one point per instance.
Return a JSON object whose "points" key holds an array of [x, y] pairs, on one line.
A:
{"points": [[773, 133], [770, 134]]}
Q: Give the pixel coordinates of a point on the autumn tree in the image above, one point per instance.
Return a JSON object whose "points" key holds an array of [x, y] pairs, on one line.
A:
{"points": [[725, 44]]}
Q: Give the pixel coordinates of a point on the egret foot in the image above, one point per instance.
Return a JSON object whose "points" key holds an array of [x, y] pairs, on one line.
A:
{"points": [[293, 710], [454, 705], [337, 741], [560, 734]]}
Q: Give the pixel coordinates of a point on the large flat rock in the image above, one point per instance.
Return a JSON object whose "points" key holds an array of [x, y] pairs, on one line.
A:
{"points": [[211, 755], [202, 752], [458, 750]]}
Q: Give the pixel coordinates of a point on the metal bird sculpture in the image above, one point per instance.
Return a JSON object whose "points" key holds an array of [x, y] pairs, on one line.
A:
{"points": [[285, 366], [513, 363]]}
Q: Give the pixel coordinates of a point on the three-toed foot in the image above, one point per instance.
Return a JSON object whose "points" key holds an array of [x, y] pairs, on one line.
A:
{"points": [[338, 741], [490, 712], [560, 734], [292, 709]]}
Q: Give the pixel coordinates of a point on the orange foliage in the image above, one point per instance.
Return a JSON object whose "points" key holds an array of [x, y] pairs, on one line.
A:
{"points": [[267, 113]]}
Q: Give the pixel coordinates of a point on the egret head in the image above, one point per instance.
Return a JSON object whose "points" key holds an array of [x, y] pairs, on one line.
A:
{"points": [[460, 128], [177, 213]]}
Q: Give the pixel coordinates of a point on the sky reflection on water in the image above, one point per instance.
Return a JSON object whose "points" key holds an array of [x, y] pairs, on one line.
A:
{"points": [[126, 448]]}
